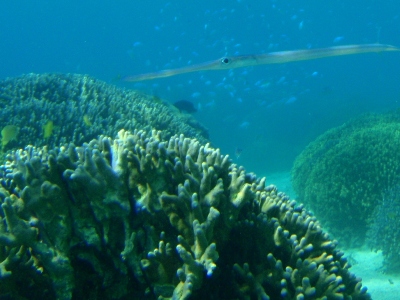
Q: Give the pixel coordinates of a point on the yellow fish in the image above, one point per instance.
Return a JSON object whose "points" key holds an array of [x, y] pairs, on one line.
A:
{"points": [[48, 129], [8, 133], [86, 120]]}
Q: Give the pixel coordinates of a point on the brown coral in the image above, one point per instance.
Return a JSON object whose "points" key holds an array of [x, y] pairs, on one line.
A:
{"points": [[146, 218]]}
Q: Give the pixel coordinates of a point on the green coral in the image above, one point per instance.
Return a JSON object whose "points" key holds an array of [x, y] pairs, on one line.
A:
{"points": [[81, 108], [146, 218], [384, 231], [342, 174]]}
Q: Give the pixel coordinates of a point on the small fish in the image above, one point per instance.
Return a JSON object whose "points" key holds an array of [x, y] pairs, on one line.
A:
{"points": [[210, 103], [48, 129], [186, 106], [281, 80], [196, 95], [291, 100], [338, 39], [156, 99], [86, 120], [238, 152], [8, 134]]}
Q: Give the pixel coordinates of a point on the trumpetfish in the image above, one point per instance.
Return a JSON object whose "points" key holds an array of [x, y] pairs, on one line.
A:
{"points": [[280, 57]]}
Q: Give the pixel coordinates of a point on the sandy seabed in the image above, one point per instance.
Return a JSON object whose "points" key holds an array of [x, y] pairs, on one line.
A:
{"points": [[368, 266], [365, 263]]}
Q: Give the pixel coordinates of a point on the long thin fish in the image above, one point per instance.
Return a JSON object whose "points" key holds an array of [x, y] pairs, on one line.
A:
{"points": [[266, 59]]}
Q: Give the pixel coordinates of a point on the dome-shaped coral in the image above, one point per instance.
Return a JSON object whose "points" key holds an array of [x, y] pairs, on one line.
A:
{"points": [[140, 217], [342, 174], [50, 109], [384, 230]]}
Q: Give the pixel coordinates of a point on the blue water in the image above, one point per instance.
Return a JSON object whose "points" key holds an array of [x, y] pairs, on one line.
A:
{"points": [[270, 112]]}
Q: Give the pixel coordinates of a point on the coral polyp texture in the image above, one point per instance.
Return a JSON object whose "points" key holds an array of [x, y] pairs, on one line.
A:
{"points": [[51, 109], [384, 232], [139, 217], [342, 175]]}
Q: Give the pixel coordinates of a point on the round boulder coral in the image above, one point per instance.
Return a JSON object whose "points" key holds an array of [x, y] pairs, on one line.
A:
{"points": [[384, 231], [50, 109], [342, 174]]}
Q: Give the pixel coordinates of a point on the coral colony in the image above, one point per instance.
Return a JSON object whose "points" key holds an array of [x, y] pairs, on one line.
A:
{"points": [[52, 109], [150, 215], [349, 168], [147, 217]]}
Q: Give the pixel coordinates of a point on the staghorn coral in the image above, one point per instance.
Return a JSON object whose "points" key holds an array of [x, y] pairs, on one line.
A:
{"points": [[343, 173], [384, 230], [144, 218], [36, 104]]}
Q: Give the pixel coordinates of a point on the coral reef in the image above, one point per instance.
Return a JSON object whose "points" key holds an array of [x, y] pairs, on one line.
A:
{"points": [[139, 217], [37, 105], [384, 231], [343, 173]]}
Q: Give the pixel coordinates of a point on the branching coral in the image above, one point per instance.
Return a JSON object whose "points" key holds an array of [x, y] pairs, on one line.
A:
{"points": [[146, 218], [342, 174]]}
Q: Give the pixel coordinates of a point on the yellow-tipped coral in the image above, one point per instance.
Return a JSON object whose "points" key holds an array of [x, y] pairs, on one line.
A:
{"points": [[147, 218]]}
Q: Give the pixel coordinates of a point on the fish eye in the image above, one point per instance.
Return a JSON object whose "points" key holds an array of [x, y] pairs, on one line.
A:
{"points": [[225, 60]]}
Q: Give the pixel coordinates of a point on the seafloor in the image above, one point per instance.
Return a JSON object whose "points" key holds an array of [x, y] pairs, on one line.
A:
{"points": [[366, 264]]}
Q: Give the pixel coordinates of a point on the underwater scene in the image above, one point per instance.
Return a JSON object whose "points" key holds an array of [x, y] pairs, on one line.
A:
{"points": [[200, 150]]}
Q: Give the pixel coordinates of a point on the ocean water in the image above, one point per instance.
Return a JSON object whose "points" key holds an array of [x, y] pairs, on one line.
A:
{"points": [[270, 112]]}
